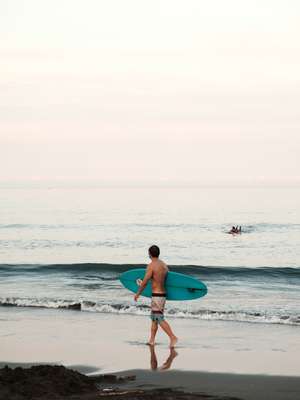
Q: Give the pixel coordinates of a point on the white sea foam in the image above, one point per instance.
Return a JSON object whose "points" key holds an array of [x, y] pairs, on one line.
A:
{"points": [[143, 310]]}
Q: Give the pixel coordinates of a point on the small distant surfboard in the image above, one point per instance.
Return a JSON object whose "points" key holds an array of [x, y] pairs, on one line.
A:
{"points": [[178, 286]]}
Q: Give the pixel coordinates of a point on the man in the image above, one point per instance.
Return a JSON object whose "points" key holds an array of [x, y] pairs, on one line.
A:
{"points": [[157, 271]]}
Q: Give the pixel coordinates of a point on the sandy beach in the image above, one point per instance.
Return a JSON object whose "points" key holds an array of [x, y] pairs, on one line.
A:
{"points": [[110, 343], [214, 357]]}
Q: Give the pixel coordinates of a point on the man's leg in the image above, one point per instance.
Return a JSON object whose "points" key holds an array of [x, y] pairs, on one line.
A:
{"points": [[154, 327], [166, 327]]}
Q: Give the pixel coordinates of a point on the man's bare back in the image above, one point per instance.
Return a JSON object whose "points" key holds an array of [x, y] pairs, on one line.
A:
{"points": [[159, 271]]}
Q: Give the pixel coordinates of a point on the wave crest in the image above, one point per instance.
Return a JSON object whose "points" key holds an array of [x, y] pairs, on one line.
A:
{"points": [[196, 270]]}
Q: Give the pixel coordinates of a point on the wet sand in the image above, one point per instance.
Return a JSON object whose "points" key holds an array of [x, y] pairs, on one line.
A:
{"points": [[247, 387]]}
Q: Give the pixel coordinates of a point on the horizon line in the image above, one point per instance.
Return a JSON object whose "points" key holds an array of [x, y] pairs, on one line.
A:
{"points": [[137, 183]]}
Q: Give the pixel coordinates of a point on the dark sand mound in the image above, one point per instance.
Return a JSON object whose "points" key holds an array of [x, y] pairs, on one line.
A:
{"points": [[43, 381], [48, 382]]}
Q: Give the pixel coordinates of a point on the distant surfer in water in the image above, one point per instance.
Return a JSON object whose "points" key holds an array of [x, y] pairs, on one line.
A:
{"points": [[157, 271], [235, 230]]}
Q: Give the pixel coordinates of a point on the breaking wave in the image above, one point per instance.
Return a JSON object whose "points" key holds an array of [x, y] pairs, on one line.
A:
{"points": [[143, 310]]}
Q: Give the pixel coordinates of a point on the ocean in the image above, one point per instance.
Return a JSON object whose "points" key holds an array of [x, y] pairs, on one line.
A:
{"points": [[65, 248]]}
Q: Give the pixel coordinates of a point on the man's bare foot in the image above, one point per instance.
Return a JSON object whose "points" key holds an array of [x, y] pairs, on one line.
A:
{"points": [[173, 342]]}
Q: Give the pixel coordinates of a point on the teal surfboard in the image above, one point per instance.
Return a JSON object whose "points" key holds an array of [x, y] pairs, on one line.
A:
{"points": [[178, 286]]}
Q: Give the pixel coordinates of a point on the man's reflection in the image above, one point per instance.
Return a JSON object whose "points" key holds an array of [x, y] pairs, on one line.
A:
{"points": [[167, 364]]}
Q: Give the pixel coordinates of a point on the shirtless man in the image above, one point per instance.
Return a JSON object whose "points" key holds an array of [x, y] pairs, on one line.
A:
{"points": [[157, 271]]}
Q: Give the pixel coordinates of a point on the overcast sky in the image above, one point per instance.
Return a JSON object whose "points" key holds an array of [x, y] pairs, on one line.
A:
{"points": [[115, 90]]}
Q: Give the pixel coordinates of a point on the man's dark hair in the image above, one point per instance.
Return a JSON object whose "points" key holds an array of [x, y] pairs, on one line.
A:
{"points": [[154, 251]]}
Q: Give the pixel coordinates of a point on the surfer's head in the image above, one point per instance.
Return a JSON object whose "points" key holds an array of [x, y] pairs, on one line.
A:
{"points": [[154, 251]]}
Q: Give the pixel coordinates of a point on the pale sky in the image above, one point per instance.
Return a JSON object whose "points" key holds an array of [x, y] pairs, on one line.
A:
{"points": [[135, 90]]}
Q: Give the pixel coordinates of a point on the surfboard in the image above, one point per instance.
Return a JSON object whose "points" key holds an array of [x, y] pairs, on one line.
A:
{"points": [[178, 286]]}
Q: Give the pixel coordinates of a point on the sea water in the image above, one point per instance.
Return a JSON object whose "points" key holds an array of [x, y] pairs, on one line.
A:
{"points": [[66, 248]]}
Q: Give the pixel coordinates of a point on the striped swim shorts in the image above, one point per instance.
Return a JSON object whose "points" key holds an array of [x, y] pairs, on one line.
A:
{"points": [[158, 302]]}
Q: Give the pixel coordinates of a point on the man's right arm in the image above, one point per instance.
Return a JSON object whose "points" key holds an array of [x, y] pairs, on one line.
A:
{"points": [[148, 276]]}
